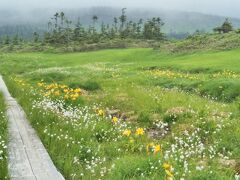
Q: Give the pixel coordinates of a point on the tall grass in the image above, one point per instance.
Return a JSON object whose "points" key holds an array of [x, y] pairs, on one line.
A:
{"points": [[3, 140]]}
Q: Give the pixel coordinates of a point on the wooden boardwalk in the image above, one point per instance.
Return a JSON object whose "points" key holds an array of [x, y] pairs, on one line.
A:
{"points": [[28, 159]]}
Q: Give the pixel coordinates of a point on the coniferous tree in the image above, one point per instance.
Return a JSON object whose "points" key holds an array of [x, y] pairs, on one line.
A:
{"points": [[152, 29], [6, 40], [95, 19], [56, 20], [15, 40], [62, 17], [35, 37], [77, 31], [139, 28], [115, 20], [225, 28], [123, 19]]}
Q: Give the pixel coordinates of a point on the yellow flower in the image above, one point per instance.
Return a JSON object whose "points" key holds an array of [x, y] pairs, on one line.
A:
{"points": [[63, 86], [127, 132], [114, 120], [167, 166], [56, 93], [157, 149], [101, 112], [78, 90], [40, 84], [49, 87], [65, 90], [66, 96], [139, 131], [168, 173], [150, 147], [75, 96]]}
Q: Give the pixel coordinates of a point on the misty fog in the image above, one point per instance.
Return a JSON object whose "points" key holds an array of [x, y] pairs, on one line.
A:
{"points": [[228, 8]]}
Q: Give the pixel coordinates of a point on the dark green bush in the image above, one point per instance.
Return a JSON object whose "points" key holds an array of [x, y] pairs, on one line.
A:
{"points": [[170, 118], [222, 90], [91, 86], [143, 118], [88, 85]]}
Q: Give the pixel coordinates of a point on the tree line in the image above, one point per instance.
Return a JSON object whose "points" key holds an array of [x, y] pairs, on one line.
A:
{"points": [[61, 30]]}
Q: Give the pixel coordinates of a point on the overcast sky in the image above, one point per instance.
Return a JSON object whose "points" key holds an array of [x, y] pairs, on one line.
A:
{"points": [[219, 7]]}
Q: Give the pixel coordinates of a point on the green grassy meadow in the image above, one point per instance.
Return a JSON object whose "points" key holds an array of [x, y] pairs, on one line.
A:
{"points": [[3, 140], [132, 102]]}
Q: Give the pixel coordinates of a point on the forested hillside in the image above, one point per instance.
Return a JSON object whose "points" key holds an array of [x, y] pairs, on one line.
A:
{"points": [[177, 24]]}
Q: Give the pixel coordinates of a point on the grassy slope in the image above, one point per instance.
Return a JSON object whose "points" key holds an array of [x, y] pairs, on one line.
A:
{"points": [[126, 85], [3, 140], [205, 42], [131, 61]]}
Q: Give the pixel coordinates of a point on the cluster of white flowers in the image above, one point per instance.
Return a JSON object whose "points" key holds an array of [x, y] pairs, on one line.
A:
{"points": [[191, 145], [162, 128], [79, 119], [3, 144]]}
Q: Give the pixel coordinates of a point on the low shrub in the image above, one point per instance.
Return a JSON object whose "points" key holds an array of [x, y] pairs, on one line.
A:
{"points": [[87, 85]]}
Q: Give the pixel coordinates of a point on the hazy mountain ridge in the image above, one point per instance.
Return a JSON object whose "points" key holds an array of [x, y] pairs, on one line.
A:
{"points": [[175, 21]]}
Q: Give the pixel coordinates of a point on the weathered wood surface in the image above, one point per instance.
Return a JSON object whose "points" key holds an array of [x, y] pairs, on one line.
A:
{"points": [[28, 159]]}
